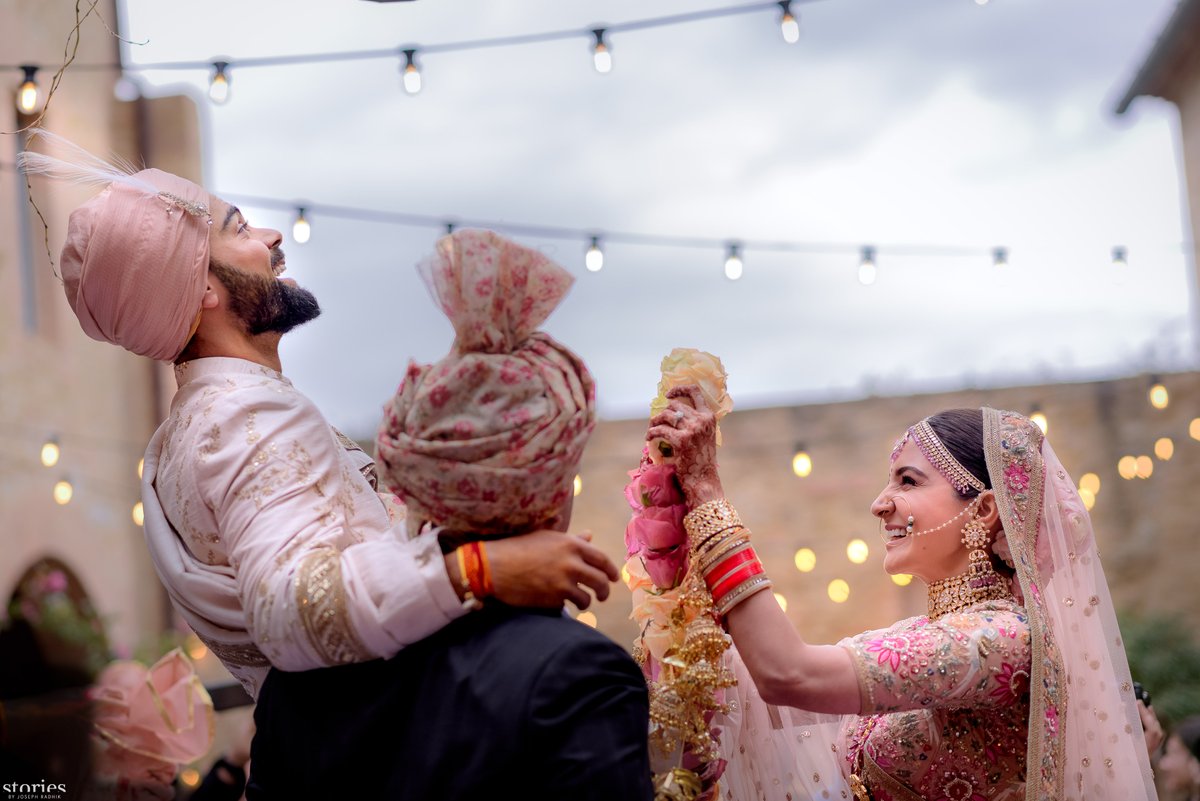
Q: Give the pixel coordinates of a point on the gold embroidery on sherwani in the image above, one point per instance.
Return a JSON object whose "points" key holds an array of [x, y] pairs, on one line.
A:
{"points": [[245, 655], [321, 602]]}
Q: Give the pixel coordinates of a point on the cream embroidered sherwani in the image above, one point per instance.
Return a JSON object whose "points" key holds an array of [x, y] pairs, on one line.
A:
{"points": [[270, 539]]}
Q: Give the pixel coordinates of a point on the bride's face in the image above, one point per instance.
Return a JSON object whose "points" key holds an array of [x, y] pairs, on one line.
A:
{"points": [[916, 488]]}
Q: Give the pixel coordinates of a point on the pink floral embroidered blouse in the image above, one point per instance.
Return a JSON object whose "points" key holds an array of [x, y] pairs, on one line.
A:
{"points": [[945, 706]]}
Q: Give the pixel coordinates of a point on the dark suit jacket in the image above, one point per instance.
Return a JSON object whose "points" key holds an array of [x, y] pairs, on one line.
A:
{"points": [[502, 703]]}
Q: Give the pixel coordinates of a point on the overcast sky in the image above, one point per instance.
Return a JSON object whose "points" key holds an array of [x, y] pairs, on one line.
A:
{"points": [[923, 123]]}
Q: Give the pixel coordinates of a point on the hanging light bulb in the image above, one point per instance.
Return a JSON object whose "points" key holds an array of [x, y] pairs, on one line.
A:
{"points": [[805, 560], [218, 86], [141, 463], [1164, 448], [587, 619], [577, 486], [601, 57], [27, 92], [594, 258], [1038, 418], [63, 491], [787, 23], [902, 579], [1159, 397], [857, 551], [801, 462], [50, 452], [781, 599], [1120, 257], [138, 514], [1000, 257], [838, 591], [301, 230], [412, 75], [866, 268], [733, 262]]}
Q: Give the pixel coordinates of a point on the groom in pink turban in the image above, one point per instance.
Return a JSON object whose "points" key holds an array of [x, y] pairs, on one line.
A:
{"points": [[505, 703], [262, 520]]}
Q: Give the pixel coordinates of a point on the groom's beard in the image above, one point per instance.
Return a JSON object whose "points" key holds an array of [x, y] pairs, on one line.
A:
{"points": [[265, 304]]}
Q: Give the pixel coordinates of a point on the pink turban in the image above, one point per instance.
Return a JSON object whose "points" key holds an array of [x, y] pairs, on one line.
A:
{"points": [[134, 264], [488, 439]]}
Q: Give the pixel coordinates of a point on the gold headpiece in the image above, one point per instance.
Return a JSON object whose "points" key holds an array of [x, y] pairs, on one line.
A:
{"points": [[931, 446]]}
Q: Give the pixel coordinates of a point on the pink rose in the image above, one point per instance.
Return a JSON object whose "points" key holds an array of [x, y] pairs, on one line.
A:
{"points": [[653, 485], [657, 536]]}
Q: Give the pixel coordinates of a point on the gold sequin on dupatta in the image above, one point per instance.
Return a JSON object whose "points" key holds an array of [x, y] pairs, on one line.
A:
{"points": [[321, 603]]}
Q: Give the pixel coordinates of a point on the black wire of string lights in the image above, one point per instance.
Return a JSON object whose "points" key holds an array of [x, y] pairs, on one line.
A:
{"points": [[599, 37], [594, 240]]}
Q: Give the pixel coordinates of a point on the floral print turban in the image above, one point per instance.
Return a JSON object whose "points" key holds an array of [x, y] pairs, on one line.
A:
{"points": [[488, 439]]}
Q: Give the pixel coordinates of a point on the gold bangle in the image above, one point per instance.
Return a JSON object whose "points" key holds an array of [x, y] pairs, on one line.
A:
{"points": [[731, 546], [744, 591], [715, 539], [710, 518]]}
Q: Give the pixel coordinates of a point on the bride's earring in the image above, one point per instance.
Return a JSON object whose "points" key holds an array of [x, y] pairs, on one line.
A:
{"points": [[980, 573]]}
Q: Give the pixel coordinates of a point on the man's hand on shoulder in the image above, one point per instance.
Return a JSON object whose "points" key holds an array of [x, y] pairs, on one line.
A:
{"points": [[546, 568]]}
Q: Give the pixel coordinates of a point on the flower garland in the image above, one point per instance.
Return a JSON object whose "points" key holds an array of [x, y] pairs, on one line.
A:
{"points": [[681, 645]]}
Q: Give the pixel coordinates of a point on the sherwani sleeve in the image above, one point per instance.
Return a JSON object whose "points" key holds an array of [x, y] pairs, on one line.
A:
{"points": [[321, 574]]}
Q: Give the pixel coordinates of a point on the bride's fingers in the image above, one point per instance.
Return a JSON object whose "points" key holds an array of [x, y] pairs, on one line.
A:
{"points": [[689, 393], [670, 435]]}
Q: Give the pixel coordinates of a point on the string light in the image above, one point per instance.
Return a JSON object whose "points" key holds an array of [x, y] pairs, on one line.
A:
{"points": [[1127, 467], [594, 258], [1145, 466], [218, 85], [189, 777], [857, 551], [27, 92], [838, 591], [1120, 257], [1038, 418], [866, 267], [733, 261], [412, 75], [1088, 497], [301, 230], [788, 25], [587, 619], [1090, 482], [805, 560], [1000, 257], [601, 56], [1194, 428], [576, 486], [195, 646], [138, 514], [625, 574], [141, 462], [802, 464], [781, 600], [1159, 398], [50, 452], [63, 490], [1164, 449], [902, 579]]}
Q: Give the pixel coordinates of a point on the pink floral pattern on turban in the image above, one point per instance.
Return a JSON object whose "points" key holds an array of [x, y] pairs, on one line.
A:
{"points": [[488, 439]]}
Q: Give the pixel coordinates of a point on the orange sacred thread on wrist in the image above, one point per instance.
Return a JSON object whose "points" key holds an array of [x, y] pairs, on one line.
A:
{"points": [[485, 570], [734, 579], [474, 569]]}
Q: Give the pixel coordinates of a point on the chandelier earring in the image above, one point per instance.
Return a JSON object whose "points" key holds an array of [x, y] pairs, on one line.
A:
{"points": [[980, 582]]}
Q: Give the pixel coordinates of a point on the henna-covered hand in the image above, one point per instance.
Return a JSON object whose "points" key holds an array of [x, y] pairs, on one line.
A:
{"points": [[690, 428]]}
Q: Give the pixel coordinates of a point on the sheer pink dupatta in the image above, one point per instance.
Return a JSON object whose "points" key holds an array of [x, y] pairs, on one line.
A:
{"points": [[1085, 736]]}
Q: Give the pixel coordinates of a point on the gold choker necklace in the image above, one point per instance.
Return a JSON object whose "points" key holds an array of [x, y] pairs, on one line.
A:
{"points": [[956, 593]]}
